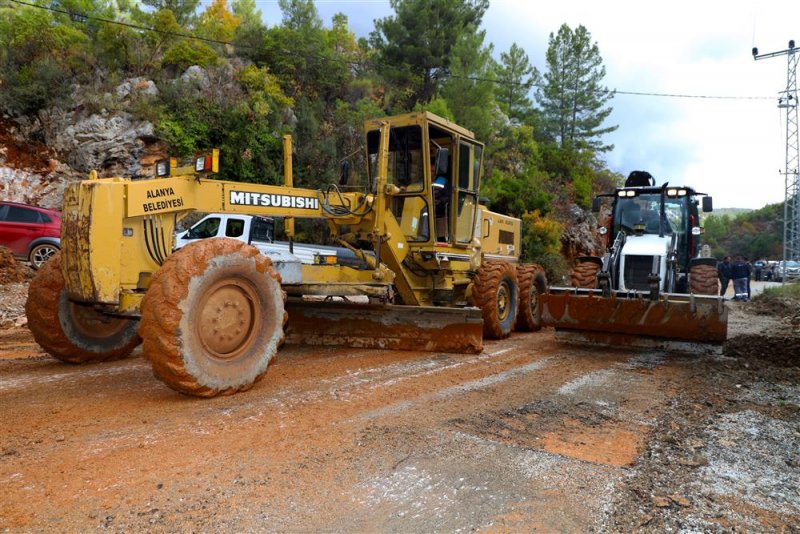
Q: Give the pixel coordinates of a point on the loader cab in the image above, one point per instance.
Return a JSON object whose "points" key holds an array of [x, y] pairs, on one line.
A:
{"points": [[661, 211], [434, 166]]}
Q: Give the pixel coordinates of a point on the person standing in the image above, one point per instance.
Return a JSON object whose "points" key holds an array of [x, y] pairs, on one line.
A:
{"points": [[724, 274], [749, 274], [740, 273]]}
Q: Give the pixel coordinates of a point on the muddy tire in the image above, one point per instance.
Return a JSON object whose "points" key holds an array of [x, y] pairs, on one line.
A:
{"points": [[584, 274], [532, 283], [495, 292], [70, 332], [213, 318], [703, 280]]}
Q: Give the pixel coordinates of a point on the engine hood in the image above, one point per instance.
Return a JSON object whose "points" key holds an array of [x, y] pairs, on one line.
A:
{"points": [[646, 245]]}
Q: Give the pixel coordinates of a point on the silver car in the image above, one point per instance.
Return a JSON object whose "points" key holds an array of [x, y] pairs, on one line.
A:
{"points": [[789, 270]]}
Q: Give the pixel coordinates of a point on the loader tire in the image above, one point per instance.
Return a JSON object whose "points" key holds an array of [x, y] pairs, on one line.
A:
{"points": [[584, 274], [703, 280], [213, 318], [532, 283], [72, 332], [495, 292]]}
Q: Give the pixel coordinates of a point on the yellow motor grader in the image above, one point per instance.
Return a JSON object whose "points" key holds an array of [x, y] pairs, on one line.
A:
{"points": [[436, 270]]}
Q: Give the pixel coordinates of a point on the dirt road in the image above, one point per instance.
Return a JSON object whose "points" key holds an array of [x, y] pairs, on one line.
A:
{"points": [[529, 435]]}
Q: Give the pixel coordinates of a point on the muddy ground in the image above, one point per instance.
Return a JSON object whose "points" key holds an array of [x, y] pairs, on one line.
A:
{"points": [[530, 435]]}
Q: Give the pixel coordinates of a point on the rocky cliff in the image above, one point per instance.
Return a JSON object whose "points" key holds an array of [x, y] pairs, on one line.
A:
{"points": [[40, 155]]}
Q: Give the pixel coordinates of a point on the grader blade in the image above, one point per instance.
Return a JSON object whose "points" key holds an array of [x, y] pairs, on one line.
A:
{"points": [[633, 318], [414, 328]]}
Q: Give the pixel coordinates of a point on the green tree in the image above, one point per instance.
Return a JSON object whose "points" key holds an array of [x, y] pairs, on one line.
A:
{"points": [[514, 180], [183, 10], [300, 14], [469, 91], [41, 55], [414, 47], [251, 32], [516, 77], [573, 100], [301, 54]]}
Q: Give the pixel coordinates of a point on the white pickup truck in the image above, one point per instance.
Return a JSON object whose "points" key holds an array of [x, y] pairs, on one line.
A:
{"points": [[260, 232]]}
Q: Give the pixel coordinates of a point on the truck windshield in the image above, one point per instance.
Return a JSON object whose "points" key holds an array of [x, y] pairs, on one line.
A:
{"points": [[204, 229], [644, 211]]}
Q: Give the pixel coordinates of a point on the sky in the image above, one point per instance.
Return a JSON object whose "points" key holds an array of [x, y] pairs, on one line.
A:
{"points": [[733, 149]]}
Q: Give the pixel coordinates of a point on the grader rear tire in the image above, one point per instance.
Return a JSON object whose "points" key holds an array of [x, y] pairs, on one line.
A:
{"points": [[495, 293], [213, 318], [532, 283], [70, 332], [584, 274], [703, 280]]}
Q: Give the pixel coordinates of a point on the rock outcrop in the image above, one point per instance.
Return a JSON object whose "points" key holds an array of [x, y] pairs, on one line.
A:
{"points": [[579, 237], [40, 156]]}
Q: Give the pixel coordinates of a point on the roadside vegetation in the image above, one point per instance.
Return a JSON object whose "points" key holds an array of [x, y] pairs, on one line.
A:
{"points": [[756, 234], [789, 291]]}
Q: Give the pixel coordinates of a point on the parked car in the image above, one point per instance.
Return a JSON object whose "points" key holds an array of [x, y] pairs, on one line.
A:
{"points": [[33, 234], [789, 271]]}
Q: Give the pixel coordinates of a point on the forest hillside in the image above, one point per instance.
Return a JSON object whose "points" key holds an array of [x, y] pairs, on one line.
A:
{"points": [[113, 85]]}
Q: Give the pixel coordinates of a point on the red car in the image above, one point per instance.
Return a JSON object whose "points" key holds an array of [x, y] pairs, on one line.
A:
{"points": [[32, 233]]}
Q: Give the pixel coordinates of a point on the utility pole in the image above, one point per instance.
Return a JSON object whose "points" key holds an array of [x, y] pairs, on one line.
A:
{"points": [[791, 204]]}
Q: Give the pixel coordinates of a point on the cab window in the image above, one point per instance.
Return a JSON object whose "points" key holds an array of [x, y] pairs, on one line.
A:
{"points": [[406, 167]]}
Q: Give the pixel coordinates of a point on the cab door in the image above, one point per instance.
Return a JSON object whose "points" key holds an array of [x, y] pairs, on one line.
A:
{"points": [[466, 191]]}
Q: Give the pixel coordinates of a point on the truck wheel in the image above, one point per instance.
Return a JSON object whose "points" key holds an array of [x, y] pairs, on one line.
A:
{"points": [[213, 318], [532, 283], [584, 274], [71, 332], [494, 291], [703, 280]]}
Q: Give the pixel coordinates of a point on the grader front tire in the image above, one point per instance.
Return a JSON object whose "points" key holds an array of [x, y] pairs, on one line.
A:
{"points": [[584, 274], [213, 318], [532, 283], [71, 332], [703, 279], [495, 293]]}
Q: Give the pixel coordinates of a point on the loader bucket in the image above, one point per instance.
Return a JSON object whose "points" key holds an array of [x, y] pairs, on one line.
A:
{"points": [[627, 318], [416, 328]]}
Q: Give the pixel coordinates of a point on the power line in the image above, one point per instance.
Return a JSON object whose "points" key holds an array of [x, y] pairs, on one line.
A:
{"points": [[81, 17], [709, 97]]}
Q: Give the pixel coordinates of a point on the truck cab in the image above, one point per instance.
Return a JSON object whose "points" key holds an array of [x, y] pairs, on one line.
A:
{"points": [[248, 228]]}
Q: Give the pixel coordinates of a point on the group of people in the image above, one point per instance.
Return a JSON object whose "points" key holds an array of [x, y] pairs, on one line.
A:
{"points": [[739, 272]]}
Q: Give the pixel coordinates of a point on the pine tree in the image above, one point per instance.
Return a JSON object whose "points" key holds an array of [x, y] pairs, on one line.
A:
{"points": [[573, 99], [469, 92], [516, 77], [415, 46]]}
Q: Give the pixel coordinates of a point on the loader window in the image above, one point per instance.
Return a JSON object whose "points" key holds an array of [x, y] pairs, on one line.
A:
{"points": [[406, 166], [645, 210]]}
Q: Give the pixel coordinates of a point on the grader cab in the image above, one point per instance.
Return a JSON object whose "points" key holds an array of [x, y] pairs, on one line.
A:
{"points": [[438, 270]]}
